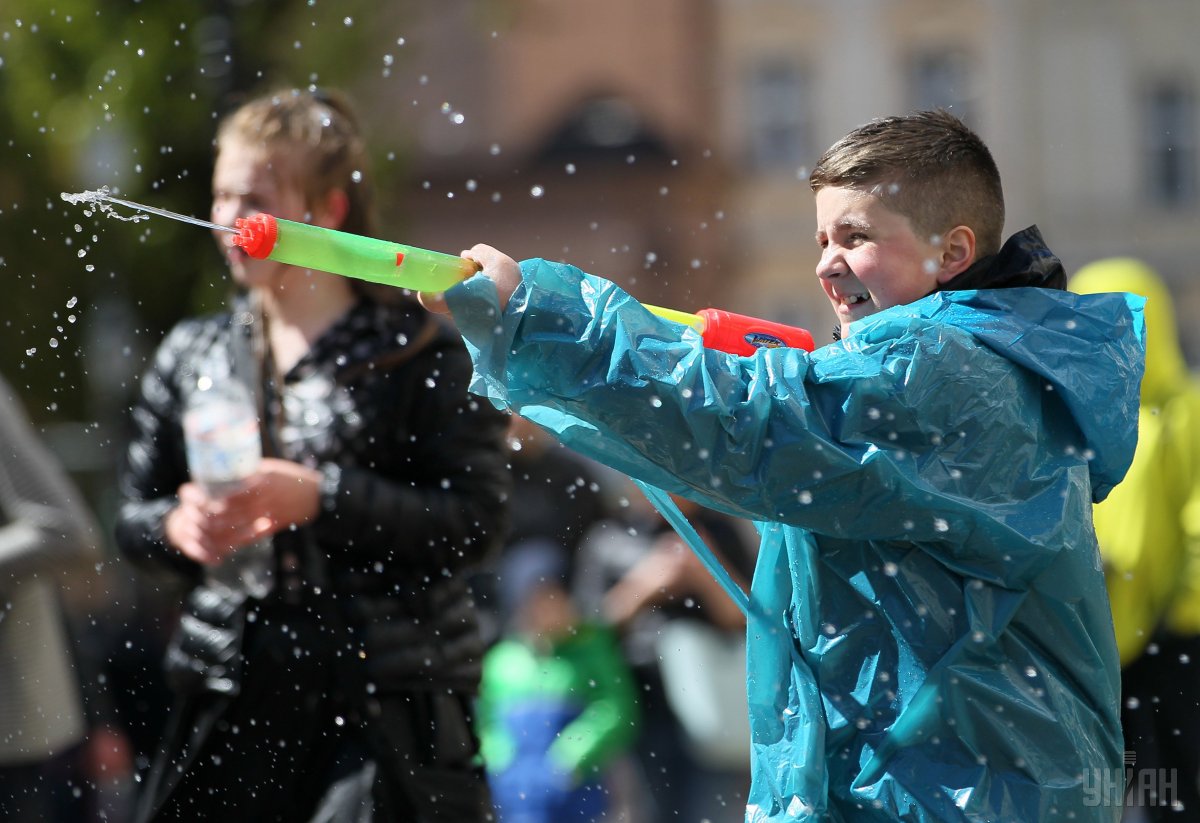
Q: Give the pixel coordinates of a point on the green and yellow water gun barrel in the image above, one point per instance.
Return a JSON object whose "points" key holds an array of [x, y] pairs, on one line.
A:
{"points": [[267, 237]]}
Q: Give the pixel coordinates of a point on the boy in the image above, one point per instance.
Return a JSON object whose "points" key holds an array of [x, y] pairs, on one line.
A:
{"points": [[929, 637]]}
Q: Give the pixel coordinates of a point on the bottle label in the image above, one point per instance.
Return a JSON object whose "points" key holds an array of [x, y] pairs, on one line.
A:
{"points": [[223, 443]]}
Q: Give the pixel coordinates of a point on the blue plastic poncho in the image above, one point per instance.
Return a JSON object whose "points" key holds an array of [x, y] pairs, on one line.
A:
{"points": [[929, 637]]}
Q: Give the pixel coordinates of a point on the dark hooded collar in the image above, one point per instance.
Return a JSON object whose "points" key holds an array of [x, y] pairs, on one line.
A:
{"points": [[1023, 260]]}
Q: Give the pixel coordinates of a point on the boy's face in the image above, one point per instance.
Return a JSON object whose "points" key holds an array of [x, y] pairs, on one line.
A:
{"points": [[871, 259], [245, 182]]}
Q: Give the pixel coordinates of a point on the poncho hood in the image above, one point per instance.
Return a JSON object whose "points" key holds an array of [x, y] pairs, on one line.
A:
{"points": [[1014, 305]]}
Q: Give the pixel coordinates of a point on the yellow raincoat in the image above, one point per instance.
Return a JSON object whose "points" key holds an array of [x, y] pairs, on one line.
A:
{"points": [[1149, 526]]}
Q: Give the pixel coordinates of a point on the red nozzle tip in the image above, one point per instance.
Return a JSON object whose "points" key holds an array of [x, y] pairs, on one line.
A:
{"points": [[256, 235]]}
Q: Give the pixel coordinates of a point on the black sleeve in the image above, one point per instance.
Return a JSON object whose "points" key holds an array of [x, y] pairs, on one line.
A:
{"points": [[155, 462]]}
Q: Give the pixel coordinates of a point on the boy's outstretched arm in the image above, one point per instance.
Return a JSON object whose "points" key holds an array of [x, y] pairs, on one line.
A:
{"points": [[497, 265]]}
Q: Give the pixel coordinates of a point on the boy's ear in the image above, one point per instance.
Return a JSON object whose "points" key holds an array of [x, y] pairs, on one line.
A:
{"points": [[958, 252], [332, 210]]}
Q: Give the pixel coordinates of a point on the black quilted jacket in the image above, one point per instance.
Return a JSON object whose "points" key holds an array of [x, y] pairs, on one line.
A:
{"points": [[415, 479]]}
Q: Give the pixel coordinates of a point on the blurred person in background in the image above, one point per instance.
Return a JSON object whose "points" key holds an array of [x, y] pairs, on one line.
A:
{"points": [[346, 691], [557, 495], [1149, 533], [558, 706], [636, 574], [46, 531]]}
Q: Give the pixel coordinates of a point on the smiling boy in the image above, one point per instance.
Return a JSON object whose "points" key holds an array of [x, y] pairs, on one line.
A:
{"points": [[929, 636]]}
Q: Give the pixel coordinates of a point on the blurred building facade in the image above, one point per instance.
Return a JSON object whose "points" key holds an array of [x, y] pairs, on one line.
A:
{"points": [[666, 144]]}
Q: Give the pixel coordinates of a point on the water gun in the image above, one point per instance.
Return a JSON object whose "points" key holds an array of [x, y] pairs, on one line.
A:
{"points": [[266, 237]]}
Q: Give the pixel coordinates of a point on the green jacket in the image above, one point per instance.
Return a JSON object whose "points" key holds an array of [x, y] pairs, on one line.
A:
{"points": [[582, 673]]}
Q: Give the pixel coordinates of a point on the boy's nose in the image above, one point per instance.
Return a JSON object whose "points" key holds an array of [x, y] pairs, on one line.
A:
{"points": [[830, 265]]}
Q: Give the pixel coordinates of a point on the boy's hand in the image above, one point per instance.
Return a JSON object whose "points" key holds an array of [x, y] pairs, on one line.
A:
{"points": [[501, 268]]}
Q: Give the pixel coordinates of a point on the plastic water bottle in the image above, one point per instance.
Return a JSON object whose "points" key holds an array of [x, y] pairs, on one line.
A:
{"points": [[224, 447]]}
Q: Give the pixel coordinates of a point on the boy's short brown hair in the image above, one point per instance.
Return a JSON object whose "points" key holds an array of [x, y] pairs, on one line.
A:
{"points": [[315, 139], [927, 166]]}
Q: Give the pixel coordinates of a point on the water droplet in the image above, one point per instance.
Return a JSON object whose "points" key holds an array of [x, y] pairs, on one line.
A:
{"points": [[537, 191], [81, 253], [656, 402], [54, 342], [71, 303], [31, 352], [891, 569], [940, 525], [1030, 671]]}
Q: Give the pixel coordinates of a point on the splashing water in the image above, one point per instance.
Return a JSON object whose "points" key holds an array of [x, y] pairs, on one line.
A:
{"points": [[102, 200], [98, 199]]}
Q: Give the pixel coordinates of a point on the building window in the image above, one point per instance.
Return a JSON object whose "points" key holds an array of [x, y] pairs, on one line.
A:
{"points": [[941, 80], [1171, 144], [779, 117]]}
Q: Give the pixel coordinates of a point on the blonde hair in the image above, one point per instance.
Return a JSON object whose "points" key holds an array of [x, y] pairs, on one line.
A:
{"points": [[315, 137]]}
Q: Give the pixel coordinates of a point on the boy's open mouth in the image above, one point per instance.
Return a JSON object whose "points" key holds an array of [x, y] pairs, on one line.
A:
{"points": [[854, 299]]}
